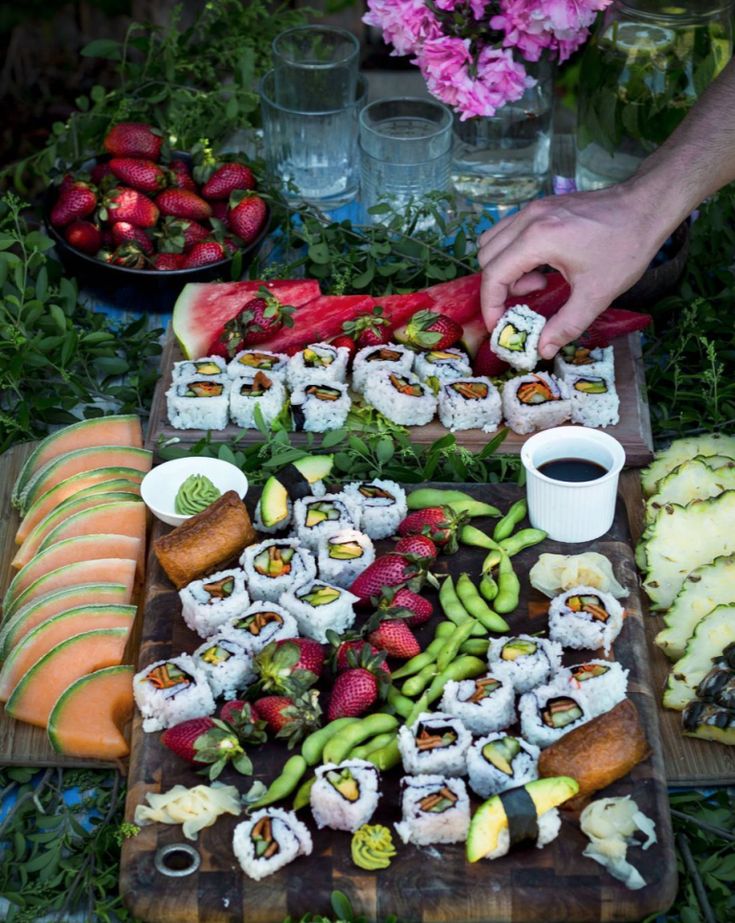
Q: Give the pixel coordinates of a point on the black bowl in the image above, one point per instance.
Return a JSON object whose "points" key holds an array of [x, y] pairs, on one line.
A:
{"points": [[138, 289]]}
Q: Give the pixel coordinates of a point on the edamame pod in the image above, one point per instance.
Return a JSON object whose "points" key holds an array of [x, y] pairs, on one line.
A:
{"points": [[401, 703], [370, 746], [469, 535], [465, 667], [421, 705], [526, 538], [416, 684], [337, 748], [488, 587], [313, 745], [387, 757], [458, 500], [443, 630], [509, 586], [453, 608], [477, 607], [301, 798], [282, 786], [452, 645], [417, 663], [516, 514], [475, 646]]}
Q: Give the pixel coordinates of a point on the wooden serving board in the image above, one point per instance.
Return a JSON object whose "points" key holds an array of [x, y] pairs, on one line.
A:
{"points": [[633, 431], [429, 884]]}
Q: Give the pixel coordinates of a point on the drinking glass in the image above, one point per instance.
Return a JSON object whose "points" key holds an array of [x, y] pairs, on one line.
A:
{"points": [[405, 149], [315, 68], [314, 154]]}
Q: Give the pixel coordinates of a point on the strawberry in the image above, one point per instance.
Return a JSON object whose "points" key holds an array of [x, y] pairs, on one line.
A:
{"points": [[221, 211], [84, 236], [368, 329], [183, 203], [237, 710], [357, 653], [261, 318], [353, 693], [346, 341], [404, 603], [247, 217], [430, 330], [139, 174], [129, 255], [420, 545], [168, 261], [129, 205], [76, 200], [178, 235], [395, 638], [226, 179], [204, 253], [486, 362], [389, 570], [133, 139], [287, 666], [290, 718], [100, 171], [311, 654], [440, 523], [213, 742], [124, 232], [180, 177]]}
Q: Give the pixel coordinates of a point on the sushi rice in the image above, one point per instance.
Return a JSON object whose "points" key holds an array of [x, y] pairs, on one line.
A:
{"points": [[400, 397], [382, 503], [344, 795], [443, 364], [318, 363], [343, 556], [435, 808], [523, 661], [227, 664], [318, 407], [483, 704], [249, 361], [551, 711], [257, 389], [595, 401], [276, 565], [435, 743], [261, 623], [516, 335], [316, 518], [391, 356], [208, 367], [470, 403], [604, 683], [319, 607], [574, 359], [199, 403], [253, 840], [170, 691], [537, 401], [207, 604], [585, 618], [501, 761]]}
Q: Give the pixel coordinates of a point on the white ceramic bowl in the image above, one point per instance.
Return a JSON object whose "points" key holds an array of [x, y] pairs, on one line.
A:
{"points": [[160, 486]]}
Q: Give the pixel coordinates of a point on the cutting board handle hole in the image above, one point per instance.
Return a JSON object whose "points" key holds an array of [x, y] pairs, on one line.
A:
{"points": [[177, 860]]}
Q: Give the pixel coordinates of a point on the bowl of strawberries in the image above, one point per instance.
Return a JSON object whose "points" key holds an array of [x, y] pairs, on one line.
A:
{"points": [[142, 220]]}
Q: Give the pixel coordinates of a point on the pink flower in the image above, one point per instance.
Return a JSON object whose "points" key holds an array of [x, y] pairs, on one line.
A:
{"points": [[559, 25], [444, 62], [406, 24]]}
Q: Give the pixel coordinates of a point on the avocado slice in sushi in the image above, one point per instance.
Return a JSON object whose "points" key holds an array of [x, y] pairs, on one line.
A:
{"points": [[501, 753], [207, 367], [273, 502], [345, 551], [512, 339], [345, 783], [322, 596], [216, 654], [297, 477], [584, 671], [591, 385], [592, 605], [439, 801], [203, 389], [518, 647], [274, 561]]}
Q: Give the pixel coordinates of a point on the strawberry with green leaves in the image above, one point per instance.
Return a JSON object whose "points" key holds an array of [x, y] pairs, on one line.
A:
{"points": [[180, 176], [285, 666], [430, 330], [203, 253], [129, 205], [394, 636], [76, 200], [123, 232], [351, 650], [420, 545], [291, 717], [368, 329], [355, 691], [404, 603], [247, 216], [144, 175], [389, 570], [439, 523], [214, 743], [178, 235], [226, 179], [260, 319], [133, 139]]}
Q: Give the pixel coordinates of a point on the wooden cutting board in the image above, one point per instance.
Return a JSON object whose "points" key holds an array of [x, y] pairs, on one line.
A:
{"points": [[431, 884], [633, 431]]}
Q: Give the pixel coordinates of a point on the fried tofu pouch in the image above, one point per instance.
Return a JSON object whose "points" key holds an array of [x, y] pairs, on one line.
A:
{"points": [[597, 753], [207, 541]]}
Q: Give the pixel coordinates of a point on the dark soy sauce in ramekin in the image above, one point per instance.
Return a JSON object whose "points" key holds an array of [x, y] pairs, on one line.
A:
{"points": [[572, 469]]}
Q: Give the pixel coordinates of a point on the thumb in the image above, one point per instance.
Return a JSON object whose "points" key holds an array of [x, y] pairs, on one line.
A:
{"points": [[568, 323]]}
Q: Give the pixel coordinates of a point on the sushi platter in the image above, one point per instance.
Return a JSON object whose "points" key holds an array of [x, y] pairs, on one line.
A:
{"points": [[435, 882]]}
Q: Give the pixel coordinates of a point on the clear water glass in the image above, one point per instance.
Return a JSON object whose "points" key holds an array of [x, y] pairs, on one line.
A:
{"points": [[405, 149], [315, 68], [313, 154]]}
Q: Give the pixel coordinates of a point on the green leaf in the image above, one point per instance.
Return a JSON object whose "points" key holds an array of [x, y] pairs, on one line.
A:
{"points": [[111, 366], [103, 48], [333, 437], [341, 906], [320, 253], [58, 317], [385, 449]]}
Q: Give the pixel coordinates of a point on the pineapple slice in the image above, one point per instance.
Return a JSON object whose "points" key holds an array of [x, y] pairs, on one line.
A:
{"points": [[692, 480], [710, 638], [682, 450]]}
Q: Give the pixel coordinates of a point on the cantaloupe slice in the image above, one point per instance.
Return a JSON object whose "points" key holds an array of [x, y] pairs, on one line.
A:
{"points": [[39, 689], [70, 551], [58, 469], [119, 429], [70, 487], [90, 714], [70, 507], [115, 570], [122, 517], [55, 630], [84, 594]]}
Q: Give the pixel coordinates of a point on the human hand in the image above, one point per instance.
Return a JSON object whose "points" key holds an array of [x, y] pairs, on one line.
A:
{"points": [[601, 242]]}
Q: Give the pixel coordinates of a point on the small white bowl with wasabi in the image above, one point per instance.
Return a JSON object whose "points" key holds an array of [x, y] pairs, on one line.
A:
{"points": [[174, 491]]}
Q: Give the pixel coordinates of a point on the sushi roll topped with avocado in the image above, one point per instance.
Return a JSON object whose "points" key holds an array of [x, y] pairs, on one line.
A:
{"points": [[516, 335], [501, 761]]}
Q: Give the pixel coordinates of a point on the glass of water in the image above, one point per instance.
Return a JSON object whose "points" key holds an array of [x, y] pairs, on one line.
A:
{"points": [[314, 154], [405, 149], [315, 68]]}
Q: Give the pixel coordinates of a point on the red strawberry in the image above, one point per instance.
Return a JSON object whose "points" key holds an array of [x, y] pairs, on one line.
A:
{"points": [[67, 181], [260, 319], [209, 741], [368, 329], [486, 362], [358, 653], [180, 234], [99, 172], [346, 341], [430, 330], [129, 255], [247, 217], [139, 174], [183, 203], [440, 523], [236, 709], [168, 261], [180, 177], [288, 717], [405, 604], [221, 211], [129, 205], [391, 570], [133, 139], [226, 179], [124, 232], [204, 253], [420, 545], [289, 666], [395, 638], [76, 200], [311, 654], [84, 236], [353, 693]]}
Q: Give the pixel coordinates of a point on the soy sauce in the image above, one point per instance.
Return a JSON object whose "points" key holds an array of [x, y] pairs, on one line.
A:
{"points": [[572, 469]]}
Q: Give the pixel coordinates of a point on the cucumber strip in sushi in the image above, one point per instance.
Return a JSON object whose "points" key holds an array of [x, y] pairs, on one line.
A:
{"points": [[269, 840], [318, 363], [263, 390], [501, 761], [595, 401], [316, 518], [400, 397], [199, 403], [549, 712], [484, 704], [537, 401], [208, 367], [344, 795], [516, 335], [227, 665], [318, 407], [382, 506], [574, 359], [319, 607], [443, 364], [584, 618], [276, 565], [261, 623], [435, 743], [470, 403], [207, 604], [436, 809], [170, 691]]}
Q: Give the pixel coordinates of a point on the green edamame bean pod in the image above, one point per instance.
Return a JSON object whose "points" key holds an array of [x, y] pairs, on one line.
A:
{"points": [[313, 745], [453, 608], [443, 630], [509, 586], [387, 757], [422, 704], [337, 748], [432, 496], [401, 703], [465, 667], [469, 535], [526, 538], [425, 659], [370, 746], [516, 514], [449, 651], [416, 684], [477, 607], [492, 560], [301, 798], [488, 587], [473, 508], [475, 646], [282, 786]]}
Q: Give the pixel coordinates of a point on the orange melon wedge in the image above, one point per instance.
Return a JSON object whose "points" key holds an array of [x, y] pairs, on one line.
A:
{"points": [[89, 715], [39, 689], [58, 469], [120, 429], [70, 507], [70, 551], [115, 570], [24, 620], [55, 630], [123, 517], [70, 487]]}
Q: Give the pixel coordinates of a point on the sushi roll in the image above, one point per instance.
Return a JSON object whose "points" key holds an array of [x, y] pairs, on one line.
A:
{"points": [[318, 407], [585, 618], [537, 401], [391, 356], [382, 503], [435, 809], [278, 527], [527, 814], [276, 565], [470, 403], [549, 712], [400, 397], [261, 623], [227, 665], [483, 704], [344, 556], [523, 661], [604, 683], [263, 390], [435, 743], [206, 604], [199, 403], [574, 359], [318, 363], [249, 361], [443, 364], [268, 840], [208, 367], [516, 335], [316, 518], [595, 401], [501, 761], [318, 607], [170, 691], [344, 795]]}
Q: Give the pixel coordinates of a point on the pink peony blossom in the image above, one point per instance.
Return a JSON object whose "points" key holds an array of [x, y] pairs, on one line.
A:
{"points": [[406, 24], [559, 25]]}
